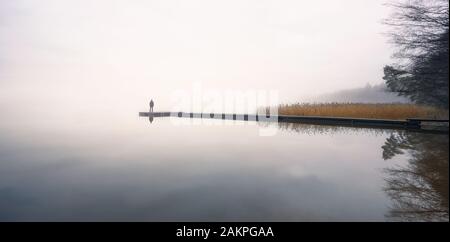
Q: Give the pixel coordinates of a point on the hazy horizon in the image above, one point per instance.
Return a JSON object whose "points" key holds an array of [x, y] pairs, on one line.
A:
{"points": [[81, 55]]}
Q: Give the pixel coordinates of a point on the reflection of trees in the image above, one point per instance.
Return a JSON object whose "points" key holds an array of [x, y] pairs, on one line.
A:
{"points": [[419, 190]]}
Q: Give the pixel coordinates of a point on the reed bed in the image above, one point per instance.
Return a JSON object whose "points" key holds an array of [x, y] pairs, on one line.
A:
{"points": [[397, 111]]}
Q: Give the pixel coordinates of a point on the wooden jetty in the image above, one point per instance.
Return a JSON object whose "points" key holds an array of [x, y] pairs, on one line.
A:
{"points": [[410, 124]]}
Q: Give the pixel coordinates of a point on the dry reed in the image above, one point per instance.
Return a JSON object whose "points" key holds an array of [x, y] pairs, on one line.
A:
{"points": [[397, 111]]}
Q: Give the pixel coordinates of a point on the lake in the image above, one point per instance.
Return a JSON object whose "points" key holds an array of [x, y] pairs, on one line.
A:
{"points": [[124, 168]]}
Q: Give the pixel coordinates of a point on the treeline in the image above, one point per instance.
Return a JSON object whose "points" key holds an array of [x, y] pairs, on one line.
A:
{"points": [[420, 31]]}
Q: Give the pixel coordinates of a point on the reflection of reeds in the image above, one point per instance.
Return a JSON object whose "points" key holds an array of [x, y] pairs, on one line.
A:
{"points": [[313, 129], [363, 110]]}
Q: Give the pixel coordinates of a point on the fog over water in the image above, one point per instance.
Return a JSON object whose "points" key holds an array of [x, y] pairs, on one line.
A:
{"points": [[226, 172], [159, 172], [75, 74]]}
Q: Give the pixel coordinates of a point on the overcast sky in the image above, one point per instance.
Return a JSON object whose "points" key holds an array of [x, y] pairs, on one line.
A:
{"points": [[103, 52]]}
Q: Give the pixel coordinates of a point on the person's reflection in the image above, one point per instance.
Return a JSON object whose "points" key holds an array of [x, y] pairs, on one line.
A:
{"points": [[150, 111], [419, 190]]}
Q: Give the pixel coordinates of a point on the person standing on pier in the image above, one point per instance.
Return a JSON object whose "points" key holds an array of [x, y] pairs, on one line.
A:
{"points": [[151, 105]]}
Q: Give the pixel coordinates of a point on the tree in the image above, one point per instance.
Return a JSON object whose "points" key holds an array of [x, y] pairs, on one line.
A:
{"points": [[420, 31]]}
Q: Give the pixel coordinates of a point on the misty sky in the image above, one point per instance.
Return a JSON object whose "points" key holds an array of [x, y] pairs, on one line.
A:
{"points": [[72, 53]]}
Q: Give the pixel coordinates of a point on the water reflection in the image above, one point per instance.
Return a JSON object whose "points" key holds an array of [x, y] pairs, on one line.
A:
{"points": [[419, 189], [326, 129], [109, 171]]}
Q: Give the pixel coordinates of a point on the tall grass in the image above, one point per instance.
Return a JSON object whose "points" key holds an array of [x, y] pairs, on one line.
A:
{"points": [[363, 110]]}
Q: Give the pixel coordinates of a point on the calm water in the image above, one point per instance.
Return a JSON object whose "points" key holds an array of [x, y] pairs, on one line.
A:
{"points": [[124, 168]]}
